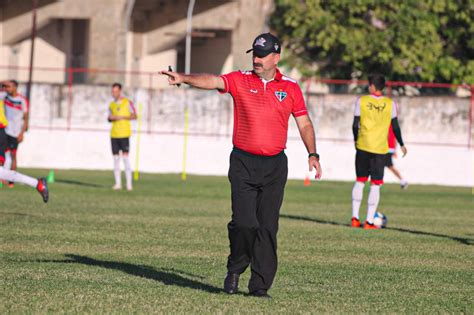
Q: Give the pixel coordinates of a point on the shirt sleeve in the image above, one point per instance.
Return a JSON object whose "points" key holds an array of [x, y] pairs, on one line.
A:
{"points": [[230, 82], [357, 107], [299, 105], [394, 110], [25, 105]]}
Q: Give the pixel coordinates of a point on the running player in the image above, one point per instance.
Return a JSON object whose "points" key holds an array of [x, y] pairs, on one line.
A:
{"points": [[16, 111], [121, 111], [12, 176], [372, 118], [392, 144]]}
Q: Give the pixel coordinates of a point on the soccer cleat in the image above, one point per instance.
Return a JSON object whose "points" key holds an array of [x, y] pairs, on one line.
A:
{"points": [[42, 188], [129, 188], [11, 184], [370, 226], [117, 187], [355, 223], [404, 185]]}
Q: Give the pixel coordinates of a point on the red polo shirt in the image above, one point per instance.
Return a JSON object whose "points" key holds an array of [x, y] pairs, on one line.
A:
{"points": [[262, 110]]}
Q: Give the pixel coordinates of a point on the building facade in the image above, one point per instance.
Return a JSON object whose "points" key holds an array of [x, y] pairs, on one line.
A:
{"points": [[126, 35]]}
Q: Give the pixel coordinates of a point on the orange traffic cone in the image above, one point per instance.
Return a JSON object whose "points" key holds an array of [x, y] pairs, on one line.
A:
{"points": [[307, 181]]}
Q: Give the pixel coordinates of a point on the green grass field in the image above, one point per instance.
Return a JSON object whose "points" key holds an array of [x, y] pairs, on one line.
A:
{"points": [[163, 248]]}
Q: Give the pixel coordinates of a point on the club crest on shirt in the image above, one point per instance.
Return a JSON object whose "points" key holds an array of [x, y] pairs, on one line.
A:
{"points": [[280, 95]]}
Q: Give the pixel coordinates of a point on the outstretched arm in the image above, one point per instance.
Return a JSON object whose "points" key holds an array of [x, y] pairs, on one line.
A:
{"points": [[201, 81], [305, 126]]}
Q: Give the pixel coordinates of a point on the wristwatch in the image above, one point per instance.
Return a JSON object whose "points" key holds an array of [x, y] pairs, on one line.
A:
{"points": [[315, 155]]}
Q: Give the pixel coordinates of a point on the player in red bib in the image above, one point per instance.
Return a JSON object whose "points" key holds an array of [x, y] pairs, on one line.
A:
{"points": [[264, 100]]}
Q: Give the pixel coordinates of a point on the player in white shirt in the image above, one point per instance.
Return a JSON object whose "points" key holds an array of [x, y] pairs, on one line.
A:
{"points": [[16, 111], [13, 176]]}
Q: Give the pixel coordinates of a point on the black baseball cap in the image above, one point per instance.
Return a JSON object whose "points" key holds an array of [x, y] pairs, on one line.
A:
{"points": [[265, 44]]}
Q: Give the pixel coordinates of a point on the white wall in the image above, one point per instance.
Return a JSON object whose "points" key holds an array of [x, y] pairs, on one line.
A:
{"points": [[210, 156], [441, 123]]}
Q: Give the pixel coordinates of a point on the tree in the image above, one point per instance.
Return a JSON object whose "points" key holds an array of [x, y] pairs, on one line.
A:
{"points": [[431, 40]]}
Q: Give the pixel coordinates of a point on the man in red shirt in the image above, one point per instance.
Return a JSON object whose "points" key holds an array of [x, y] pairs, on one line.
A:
{"points": [[264, 99]]}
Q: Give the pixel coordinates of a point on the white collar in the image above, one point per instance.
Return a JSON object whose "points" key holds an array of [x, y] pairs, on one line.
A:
{"points": [[266, 81]]}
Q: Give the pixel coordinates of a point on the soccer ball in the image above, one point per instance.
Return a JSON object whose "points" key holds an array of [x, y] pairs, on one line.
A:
{"points": [[380, 220]]}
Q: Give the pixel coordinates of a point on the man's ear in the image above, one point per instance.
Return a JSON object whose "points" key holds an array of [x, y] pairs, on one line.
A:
{"points": [[277, 58]]}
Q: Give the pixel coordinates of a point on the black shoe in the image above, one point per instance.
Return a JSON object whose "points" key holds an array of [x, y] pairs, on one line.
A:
{"points": [[42, 188], [261, 294], [231, 283]]}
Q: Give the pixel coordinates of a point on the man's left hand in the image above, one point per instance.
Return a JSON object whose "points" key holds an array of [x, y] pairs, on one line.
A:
{"points": [[20, 137], [314, 163]]}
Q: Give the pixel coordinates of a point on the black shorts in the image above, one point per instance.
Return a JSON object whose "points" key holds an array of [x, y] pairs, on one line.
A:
{"points": [[12, 143], [370, 164], [120, 144], [3, 145], [388, 159]]}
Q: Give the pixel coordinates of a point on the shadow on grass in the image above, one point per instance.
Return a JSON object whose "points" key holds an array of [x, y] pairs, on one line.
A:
{"points": [[165, 276], [77, 183], [462, 240], [303, 218], [15, 214]]}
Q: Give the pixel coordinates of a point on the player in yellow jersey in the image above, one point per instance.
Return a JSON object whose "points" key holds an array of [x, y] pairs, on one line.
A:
{"points": [[13, 176], [121, 112], [373, 115]]}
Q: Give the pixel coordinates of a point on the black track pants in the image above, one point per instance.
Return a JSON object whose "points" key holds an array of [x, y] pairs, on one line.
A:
{"points": [[257, 185]]}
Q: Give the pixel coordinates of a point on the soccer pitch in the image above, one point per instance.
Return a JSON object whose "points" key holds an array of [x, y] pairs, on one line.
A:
{"points": [[163, 248]]}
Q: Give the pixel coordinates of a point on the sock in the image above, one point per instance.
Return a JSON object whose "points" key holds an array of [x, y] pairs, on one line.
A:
{"points": [[128, 171], [403, 182], [8, 160], [15, 177], [373, 202], [118, 178], [357, 194]]}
